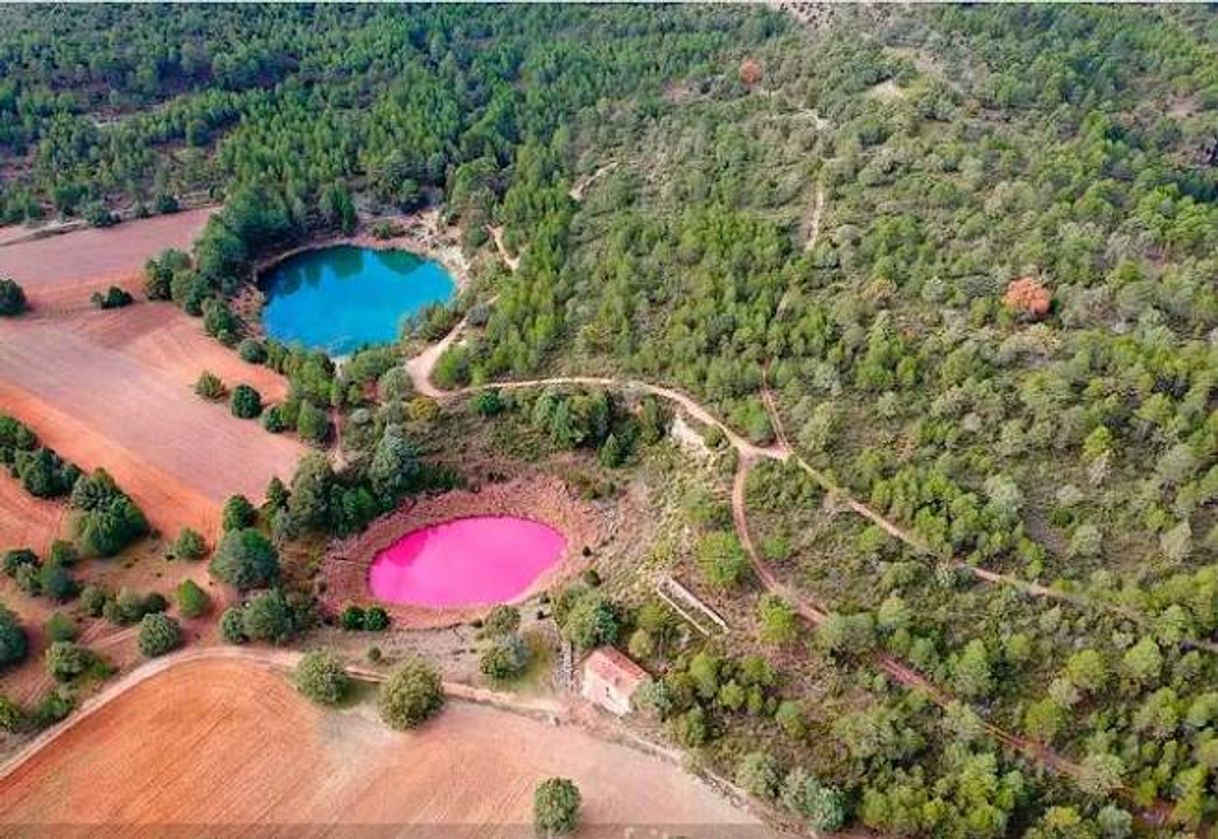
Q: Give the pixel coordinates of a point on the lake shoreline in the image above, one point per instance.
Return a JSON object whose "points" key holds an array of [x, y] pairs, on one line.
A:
{"points": [[421, 235]]}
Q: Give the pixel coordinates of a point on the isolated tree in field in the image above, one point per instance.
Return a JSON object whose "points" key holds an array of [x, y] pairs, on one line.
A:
{"points": [[238, 513], [65, 660], [245, 403], [158, 634], [320, 676], [209, 386], [556, 803], [193, 601], [245, 559], [189, 545], [13, 642], [411, 695], [12, 298]]}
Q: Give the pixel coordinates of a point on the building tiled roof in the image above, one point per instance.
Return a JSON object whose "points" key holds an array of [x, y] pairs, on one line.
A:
{"points": [[612, 666]]}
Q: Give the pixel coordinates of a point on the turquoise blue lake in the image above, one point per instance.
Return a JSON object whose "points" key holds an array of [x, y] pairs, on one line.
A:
{"points": [[342, 298]]}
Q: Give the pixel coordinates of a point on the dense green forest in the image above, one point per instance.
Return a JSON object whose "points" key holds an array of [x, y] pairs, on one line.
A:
{"points": [[836, 210]]}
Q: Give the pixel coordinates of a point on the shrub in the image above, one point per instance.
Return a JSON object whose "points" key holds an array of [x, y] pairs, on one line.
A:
{"points": [[245, 403], [312, 423], [13, 643], [376, 619], [411, 695], [320, 676], [269, 618], [245, 559], [56, 583], [60, 627], [506, 659], [779, 625], [159, 634], [16, 558], [13, 718], [352, 618], [129, 607], [193, 601], [12, 298], [238, 513], [252, 351], [114, 298], [758, 774], [210, 387], [93, 599], [273, 420], [189, 545], [722, 559], [65, 660], [63, 553], [488, 403], [822, 807], [556, 803], [53, 707], [502, 620], [232, 626]]}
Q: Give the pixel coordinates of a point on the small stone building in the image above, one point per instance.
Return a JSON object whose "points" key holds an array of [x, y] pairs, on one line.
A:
{"points": [[610, 680]]}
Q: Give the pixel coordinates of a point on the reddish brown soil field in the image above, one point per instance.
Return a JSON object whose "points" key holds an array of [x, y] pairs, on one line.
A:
{"points": [[26, 521], [60, 272], [113, 389], [228, 743]]}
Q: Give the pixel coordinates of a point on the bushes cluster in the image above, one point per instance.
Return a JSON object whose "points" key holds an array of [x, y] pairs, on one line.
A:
{"points": [[106, 520], [114, 298], [356, 619]]}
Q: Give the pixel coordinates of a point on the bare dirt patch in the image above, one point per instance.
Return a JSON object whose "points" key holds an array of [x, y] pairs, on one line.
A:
{"points": [[60, 272], [541, 498], [26, 521], [112, 390], [230, 743]]}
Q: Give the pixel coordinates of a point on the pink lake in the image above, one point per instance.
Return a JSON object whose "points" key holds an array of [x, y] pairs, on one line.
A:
{"points": [[465, 562]]}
